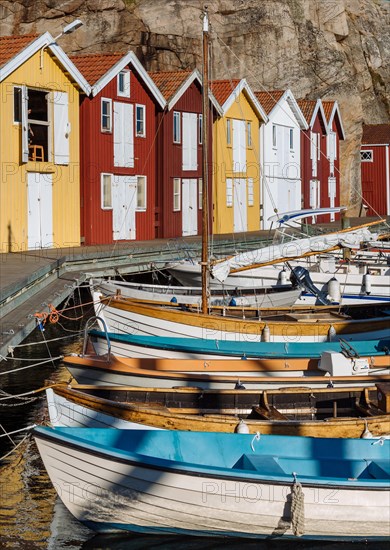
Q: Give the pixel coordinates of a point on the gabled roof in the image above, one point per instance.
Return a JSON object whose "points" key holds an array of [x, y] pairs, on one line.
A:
{"points": [[100, 69], [376, 134], [269, 100], [227, 92], [331, 109], [173, 84], [16, 50], [310, 108]]}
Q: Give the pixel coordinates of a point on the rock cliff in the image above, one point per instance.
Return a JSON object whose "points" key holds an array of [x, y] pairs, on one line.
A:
{"points": [[333, 49]]}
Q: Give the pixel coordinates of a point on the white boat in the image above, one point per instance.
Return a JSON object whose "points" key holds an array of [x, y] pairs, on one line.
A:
{"points": [[272, 296], [220, 484]]}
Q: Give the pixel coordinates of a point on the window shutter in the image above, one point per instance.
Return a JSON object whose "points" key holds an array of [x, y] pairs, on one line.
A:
{"points": [[123, 135], [186, 143], [313, 145], [61, 128], [193, 141], [250, 192], [24, 124], [229, 192]]}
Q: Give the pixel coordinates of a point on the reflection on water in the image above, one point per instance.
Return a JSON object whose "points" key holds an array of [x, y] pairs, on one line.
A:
{"points": [[32, 516]]}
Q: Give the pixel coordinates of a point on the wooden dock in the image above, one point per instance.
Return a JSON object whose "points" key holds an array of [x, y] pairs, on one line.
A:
{"points": [[33, 279]]}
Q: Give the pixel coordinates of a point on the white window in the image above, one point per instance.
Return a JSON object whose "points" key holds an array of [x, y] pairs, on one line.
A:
{"points": [[36, 128], [250, 192], [291, 140], [318, 147], [176, 194], [176, 127], [367, 155], [200, 129], [249, 134], [229, 192], [140, 113], [106, 193], [123, 84], [141, 193], [106, 122], [228, 131], [17, 104], [273, 135], [200, 193]]}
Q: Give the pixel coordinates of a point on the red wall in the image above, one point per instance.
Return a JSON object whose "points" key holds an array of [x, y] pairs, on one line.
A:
{"points": [[374, 180], [97, 156], [169, 165]]}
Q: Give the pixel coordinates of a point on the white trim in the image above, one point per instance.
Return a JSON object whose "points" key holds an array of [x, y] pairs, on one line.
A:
{"points": [[20, 87], [319, 107], [126, 91], [292, 102], [374, 145], [176, 118], [45, 41], [331, 117], [129, 58], [102, 174], [367, 151], [195, 75], [243, 87], [177, 194], [144, 120]]}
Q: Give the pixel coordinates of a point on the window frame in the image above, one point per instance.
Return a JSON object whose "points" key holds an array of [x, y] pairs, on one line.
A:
{"points": [[107, 100], [291, 139], [102, 175], [229, 193], [176, 194], [250, 192], [229, 132], [370, 151], [274, 137], [249, 142], [142, 208], [200, 129], [124, 93], [176, 127], [20, 106], [200, 193], [49, 123], [143, 108]]}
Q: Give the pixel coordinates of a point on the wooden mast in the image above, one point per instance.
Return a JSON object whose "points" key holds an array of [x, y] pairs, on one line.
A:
{"points": [[205, 123]]}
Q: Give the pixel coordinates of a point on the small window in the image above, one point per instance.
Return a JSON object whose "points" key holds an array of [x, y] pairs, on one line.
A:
{"points": [[141, 193], [200, 128], [176, 127], [123, 82], [318, 147], [229, 192], [228, 131], [250, 192], [106, 193], [17, 104], [291, 139], [367, 156], [273, 135], [106, 115], [176, 194], [249, 134], [200, 193], [140, 120]]}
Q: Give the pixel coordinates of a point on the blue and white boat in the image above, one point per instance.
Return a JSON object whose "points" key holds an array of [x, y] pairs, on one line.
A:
{"points": [[214, 484]]}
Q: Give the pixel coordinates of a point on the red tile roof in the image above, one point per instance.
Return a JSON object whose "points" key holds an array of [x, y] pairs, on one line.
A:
{"points": [[222, 89], [12, 45], [93, 66], [328, 107], [307, 107], [268, 100], [376, 133], [169, 82]]}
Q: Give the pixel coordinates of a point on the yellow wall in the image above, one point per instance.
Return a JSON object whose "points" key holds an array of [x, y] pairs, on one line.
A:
{"points": [[223, 167], [13, 174]]}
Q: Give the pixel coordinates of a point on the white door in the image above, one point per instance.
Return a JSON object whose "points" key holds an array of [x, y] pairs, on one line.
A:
{"points": [[124, 200], [39, 210], [239, 146], [123, 135], [240, 205], [190, 142], [189, 207]]}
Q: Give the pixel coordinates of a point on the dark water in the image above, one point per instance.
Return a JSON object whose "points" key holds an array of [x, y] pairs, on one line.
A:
{"points": [[31, 515]]}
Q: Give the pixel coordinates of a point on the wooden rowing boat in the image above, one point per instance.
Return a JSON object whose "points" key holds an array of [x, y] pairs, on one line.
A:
{"points": [[327, 412]]}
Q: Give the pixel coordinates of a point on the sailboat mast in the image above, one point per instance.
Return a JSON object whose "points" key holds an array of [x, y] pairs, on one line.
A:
{"points": [[205, 147]]}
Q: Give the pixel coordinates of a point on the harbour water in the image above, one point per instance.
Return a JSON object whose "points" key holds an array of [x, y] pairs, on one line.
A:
{"points": [[31, 515]]}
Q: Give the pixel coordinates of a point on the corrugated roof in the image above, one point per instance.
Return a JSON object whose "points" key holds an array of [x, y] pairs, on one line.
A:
{"points": [[169, 82], [376, 133], [222, 89], [328, 107], [12, 45], [307, 107], [268, 100], [93, 66]]}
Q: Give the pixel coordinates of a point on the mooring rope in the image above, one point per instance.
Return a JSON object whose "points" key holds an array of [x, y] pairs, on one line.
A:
{"points": [[297, 508], [49, 360]]}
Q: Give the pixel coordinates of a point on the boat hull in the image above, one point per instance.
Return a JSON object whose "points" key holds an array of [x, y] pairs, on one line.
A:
{"points": [[109, 489]]}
